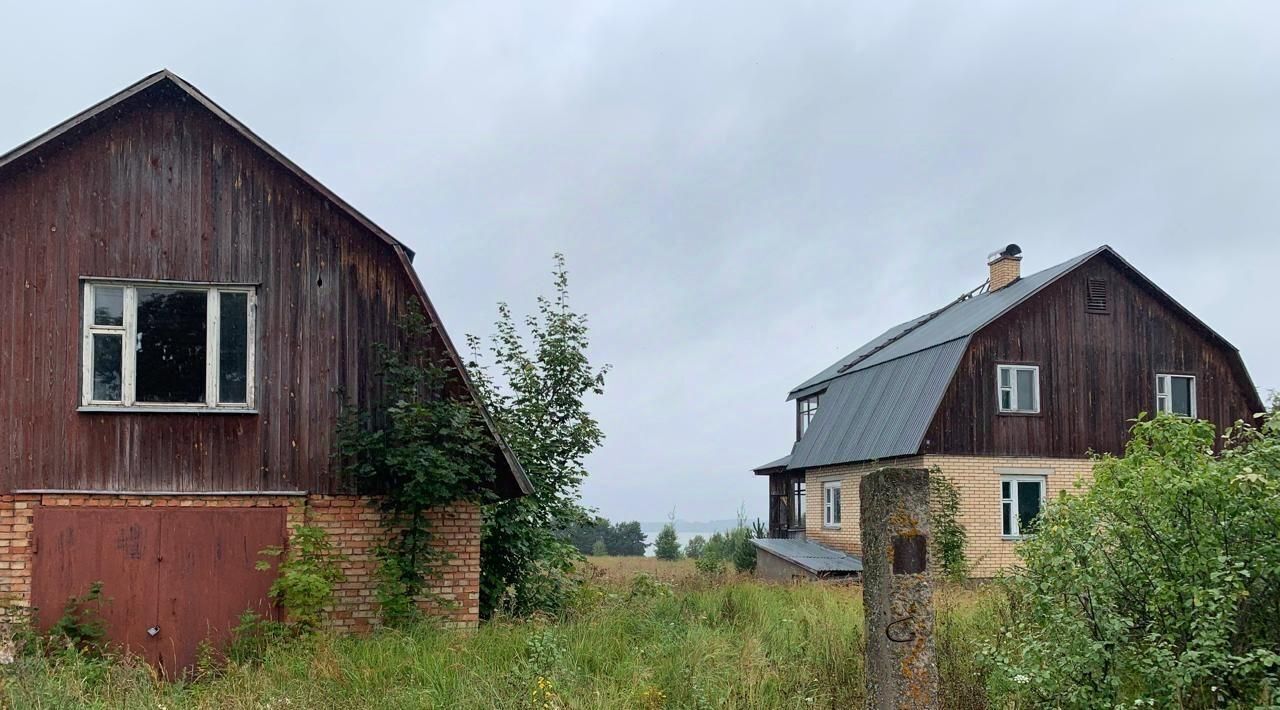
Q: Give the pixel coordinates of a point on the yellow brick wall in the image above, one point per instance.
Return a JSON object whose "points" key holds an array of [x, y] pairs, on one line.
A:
{"points": [[977, 478], [847, 536]]}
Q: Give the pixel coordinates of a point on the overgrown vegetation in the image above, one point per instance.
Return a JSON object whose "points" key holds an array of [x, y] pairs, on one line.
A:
{"points": [[1160, 584], [305, 577], [81, 625], [629, 641], [427, 448], [949, 535], [535, 380]]}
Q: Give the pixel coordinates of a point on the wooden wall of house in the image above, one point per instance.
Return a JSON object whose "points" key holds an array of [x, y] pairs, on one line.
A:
{"points": [[164, 190], [1097, 371]]}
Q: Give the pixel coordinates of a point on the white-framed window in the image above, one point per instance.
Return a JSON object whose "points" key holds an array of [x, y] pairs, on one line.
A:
{"points": [[1176, 394], [1021, 499], [831, 504], [1018, 388], [806, 410], [165, 346]]}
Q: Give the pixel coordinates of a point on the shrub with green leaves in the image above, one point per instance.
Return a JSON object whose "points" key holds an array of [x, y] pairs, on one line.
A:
{"points": [[693, 549], [309, 568], [1159, 585]]}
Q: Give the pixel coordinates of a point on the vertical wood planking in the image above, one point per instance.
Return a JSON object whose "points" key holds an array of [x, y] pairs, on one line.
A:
{"points": [[165, 190]]}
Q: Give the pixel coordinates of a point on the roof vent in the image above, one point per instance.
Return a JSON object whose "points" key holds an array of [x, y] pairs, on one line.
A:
{"points": [[1006, 267], [1096, 297]]}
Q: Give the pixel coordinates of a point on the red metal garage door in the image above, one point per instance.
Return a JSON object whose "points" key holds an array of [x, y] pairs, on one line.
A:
{"points": [[187, 572]]}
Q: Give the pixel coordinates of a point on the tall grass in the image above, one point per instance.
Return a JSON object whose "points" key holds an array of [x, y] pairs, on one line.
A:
{"points": [[694, 644]]}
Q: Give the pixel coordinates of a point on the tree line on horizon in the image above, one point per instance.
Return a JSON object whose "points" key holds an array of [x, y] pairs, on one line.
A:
{"points": [[598, 536]]}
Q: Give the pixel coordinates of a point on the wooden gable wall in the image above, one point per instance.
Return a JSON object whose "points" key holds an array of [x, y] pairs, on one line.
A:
{"points": [[1097, 371], [164, 190]]}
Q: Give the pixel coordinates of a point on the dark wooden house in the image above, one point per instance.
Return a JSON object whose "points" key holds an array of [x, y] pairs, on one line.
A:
{"points": [[187, 313], [1006, 390]]}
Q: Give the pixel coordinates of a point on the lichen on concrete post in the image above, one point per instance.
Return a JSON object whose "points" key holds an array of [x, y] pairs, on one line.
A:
{"points": [[897, 590]]}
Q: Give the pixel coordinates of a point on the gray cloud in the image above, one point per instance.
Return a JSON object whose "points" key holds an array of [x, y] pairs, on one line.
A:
{"points": [[745, 191]]}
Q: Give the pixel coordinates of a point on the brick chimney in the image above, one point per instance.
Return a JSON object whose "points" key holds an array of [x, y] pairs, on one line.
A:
{"points": [[1006, 267]]}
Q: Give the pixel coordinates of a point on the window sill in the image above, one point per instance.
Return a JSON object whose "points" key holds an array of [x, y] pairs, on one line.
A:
{"points": [[1015, 538], [830, 527], [109, 409], [1020, 414]]}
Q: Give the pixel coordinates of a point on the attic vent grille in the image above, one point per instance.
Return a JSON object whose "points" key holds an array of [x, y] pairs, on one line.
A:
{"points": [[1096, 300]]}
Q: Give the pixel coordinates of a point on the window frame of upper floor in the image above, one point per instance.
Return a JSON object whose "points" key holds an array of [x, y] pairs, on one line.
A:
{"points": [[1165, 398], [806, 410], [122, 318], [1014, 388]]}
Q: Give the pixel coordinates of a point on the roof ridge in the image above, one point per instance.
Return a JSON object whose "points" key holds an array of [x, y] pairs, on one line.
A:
{"points": [[907, 331]]}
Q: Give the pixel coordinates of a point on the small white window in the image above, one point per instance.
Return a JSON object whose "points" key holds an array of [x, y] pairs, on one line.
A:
{"points": [[1021, 498], [168, 345], [806, 410], [1176, 394], [1018, 388], [831, 504]]}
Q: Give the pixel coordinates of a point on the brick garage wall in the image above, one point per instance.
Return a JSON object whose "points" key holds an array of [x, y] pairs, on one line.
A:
{"points": [[354, 528], [977, 478], [352, 523]]}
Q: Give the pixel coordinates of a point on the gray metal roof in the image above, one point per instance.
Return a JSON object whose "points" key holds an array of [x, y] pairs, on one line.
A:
{"points": [[957, 320], [878, 412], [778, 463], [810, 555], [878, 401]]}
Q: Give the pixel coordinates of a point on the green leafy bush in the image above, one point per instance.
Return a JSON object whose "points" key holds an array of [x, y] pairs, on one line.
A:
{"points": [[309, 568], [599, 549], [535, 384], [81, 624], [1158, 585], [693, 549], [426, 447]]}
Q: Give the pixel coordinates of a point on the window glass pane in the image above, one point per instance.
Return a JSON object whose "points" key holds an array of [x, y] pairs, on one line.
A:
{"points": [[1004, 377], [1181, 387], [1006, 524], [1004, 490], [171, 345], [108, 305], [1006, 399], [1026, 390], [106, 367], [836, 495], [1161, 384], [233, 339], [1028, 505]]}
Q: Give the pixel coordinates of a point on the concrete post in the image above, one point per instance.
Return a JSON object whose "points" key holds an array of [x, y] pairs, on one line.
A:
{"points": [[897, 591]]}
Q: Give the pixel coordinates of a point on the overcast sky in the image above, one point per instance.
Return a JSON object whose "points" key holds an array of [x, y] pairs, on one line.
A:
{"points": [[744, 191]]}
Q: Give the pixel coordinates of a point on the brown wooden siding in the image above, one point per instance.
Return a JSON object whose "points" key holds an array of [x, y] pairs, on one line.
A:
{"points": [[1097, 371], [167, 191]]}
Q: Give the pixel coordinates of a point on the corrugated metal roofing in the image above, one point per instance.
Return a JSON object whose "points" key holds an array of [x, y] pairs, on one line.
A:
{"points": [[779, 463], [878, 412], [956, 321], [810, 555]]}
